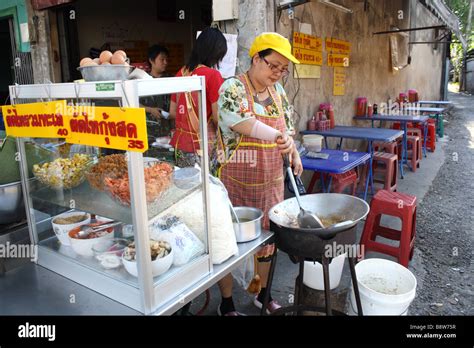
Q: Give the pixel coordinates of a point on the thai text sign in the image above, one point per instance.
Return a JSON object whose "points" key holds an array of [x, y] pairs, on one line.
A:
{"points": [[308, 49], [339, 81], [308, 42], [38, 120], [340, 60], [308, 57], [338, 46], [109, 127]]}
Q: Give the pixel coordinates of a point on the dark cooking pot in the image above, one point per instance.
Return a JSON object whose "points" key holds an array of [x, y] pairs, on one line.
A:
{"points": [[309, 243]]}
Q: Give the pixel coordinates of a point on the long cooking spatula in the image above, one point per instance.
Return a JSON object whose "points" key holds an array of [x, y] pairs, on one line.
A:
{"points": [[306, 219]]}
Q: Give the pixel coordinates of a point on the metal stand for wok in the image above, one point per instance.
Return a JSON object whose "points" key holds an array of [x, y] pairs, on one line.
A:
{"points": [[298, 307]]}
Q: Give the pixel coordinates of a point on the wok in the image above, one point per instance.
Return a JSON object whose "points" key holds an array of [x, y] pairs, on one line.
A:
{"points": [[311, 242]]}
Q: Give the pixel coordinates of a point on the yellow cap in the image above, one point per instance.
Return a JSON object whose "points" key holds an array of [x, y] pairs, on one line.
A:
{"points": [[274, 41]]}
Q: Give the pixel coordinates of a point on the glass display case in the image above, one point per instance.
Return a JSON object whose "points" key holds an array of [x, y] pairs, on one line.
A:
{"points": [[79, 187]]}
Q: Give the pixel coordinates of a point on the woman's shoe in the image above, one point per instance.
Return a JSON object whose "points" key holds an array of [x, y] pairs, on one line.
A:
{"points": [[229, 314], [272, 305]]}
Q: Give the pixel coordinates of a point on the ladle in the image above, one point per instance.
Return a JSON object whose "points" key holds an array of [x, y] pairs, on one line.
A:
{"points": [[306, 219]]}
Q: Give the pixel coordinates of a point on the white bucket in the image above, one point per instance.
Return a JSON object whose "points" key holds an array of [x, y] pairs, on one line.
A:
{"points": [[313, 273], [313, 142], [385, 287]]}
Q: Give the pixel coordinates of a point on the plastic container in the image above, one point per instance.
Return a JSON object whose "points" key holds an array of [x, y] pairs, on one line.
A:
{"points": [[361, 106], [413, 96], [109, 252], [313, 273], [386, 288], [370, 110], [313, 142], [332, 121], [312, 123]]}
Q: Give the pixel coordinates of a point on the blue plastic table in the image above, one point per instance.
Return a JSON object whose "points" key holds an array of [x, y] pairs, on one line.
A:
{"points": [[403, 119], [368, 134], [435, 112], [339, 162]]}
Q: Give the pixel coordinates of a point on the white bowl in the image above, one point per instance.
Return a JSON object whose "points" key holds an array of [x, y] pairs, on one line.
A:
{"points": [[62, 231], [158, 267], [83, 247]]}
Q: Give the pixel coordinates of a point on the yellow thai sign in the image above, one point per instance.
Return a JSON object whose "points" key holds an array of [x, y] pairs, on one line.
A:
{"points": [[308, 56], [107, 127], [309, 42], [339, 60], [38, 120], [339, 81], [110, 127], [338, 46]]}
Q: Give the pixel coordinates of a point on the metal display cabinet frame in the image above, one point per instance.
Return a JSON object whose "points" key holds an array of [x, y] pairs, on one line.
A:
{"points": [[144, 294]]}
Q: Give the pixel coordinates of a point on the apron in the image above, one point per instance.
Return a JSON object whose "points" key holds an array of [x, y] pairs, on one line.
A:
{"points": [[260, 186], [187, 136]]}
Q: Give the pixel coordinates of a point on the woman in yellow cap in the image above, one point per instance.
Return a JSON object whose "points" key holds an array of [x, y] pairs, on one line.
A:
{"points": [[255, 124]]}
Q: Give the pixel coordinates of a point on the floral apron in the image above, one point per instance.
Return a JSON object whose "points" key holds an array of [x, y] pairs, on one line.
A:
{"points": [[260, 184]]}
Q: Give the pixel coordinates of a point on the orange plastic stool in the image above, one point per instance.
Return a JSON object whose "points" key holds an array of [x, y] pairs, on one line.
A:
{"points": [[395, 204], [389, 170], [415, 151]]}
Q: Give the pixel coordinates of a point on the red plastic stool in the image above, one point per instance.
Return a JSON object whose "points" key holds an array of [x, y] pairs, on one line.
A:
{"points": [[414, 151], [341, 181], [389, 147], [395, 204], [316, 176], [389, 170]]}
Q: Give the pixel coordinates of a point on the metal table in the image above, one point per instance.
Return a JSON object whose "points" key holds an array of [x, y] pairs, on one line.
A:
{"points": [[363, 133], [339, 162], [435, 111], [403, 119], [34, 290], [434, 102], [422, 109]]}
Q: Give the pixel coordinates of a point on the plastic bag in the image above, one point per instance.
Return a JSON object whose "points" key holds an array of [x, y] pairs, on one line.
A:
{"points": [[244, 274], [185, 244]]}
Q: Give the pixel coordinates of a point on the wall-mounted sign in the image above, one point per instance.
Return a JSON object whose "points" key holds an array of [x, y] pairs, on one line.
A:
{"points": [[308, 49], [308, 56], [339, 81], [308, 42], [303, 71], [338, 46], [107, 127], [339, 60]]}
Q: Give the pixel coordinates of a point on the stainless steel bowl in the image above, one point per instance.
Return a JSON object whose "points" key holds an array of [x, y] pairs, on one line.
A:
{"points": [[12, 208], [105, 72], [250, 226]]}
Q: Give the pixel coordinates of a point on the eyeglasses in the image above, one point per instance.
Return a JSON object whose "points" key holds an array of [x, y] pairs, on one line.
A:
{"points": [[276, 69]]}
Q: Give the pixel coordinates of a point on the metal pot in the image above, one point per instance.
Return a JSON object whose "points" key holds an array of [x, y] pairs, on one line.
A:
{"points": [[12, 208], [310, 243], [250, 225]]}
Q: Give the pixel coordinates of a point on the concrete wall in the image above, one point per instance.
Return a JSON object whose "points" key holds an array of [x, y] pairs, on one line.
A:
{"points": [[370, 72]]}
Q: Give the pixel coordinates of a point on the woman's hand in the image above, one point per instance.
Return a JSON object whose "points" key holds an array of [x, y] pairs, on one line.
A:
{"points": [[155, 112], [285, 144], [296, 163]]}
